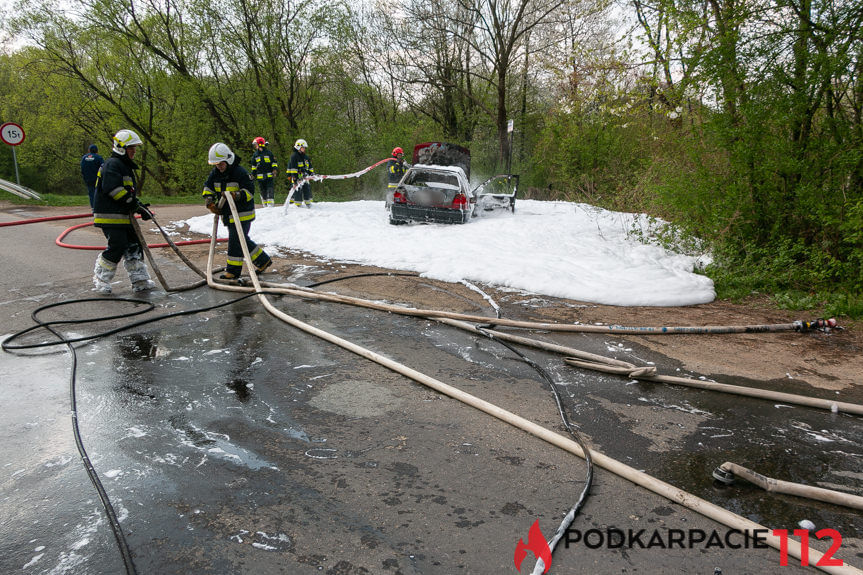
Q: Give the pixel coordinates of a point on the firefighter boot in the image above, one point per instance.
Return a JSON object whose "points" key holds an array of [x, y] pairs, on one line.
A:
{"points": [[133, 261], [103, 273], [262, 265]]}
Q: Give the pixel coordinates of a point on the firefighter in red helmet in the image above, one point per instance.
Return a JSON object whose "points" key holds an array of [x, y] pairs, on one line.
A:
{"points": [[264, 168], [396, 168]]}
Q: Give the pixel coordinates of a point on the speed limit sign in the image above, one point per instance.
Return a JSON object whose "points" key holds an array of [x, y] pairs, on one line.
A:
{"points": [[12, 134]]}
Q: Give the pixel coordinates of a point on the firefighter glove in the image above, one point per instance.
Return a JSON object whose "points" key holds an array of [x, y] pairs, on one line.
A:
{"points": [[144, 211], [213, 208]]}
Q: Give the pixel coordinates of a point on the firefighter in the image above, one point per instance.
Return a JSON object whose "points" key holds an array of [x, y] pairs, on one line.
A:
{"points": [[115, 205], [396, 168], [264, 169], [90, 164], [299, 167], [229, 177]]}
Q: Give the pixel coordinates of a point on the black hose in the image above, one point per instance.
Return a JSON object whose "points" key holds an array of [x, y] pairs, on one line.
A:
{"points": [[79, 443], [7, 347], [573, 511], [392, 274]]}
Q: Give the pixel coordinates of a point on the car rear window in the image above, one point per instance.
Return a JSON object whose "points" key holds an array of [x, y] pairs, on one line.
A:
{"points": [[433, 179]]}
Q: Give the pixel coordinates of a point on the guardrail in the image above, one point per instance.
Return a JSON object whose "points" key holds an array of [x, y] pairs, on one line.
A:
{"points": [[20, 191]]}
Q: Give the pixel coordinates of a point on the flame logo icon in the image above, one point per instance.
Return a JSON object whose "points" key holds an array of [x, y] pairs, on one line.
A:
{"points": [[536, 543]]}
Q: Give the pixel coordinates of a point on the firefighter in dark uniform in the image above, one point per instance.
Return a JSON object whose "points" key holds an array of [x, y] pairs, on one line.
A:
{"points": [[229, 177], [90, 164], [396, 168], [264, 168], [299, 167], [115, 205]]}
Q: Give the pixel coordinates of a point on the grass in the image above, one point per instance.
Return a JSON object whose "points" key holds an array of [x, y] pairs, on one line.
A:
{"points": [[824, 303]]}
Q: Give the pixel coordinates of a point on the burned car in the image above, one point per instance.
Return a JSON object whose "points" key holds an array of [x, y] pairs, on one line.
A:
{"points": [[436, 188], [432, 194]]}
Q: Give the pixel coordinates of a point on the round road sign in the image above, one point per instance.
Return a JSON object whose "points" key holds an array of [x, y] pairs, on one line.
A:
{"points": [[12, 134]]}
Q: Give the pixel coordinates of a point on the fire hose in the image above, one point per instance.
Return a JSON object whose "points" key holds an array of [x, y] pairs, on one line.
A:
{"points": [[46, 219], [318, 178], [59, 241], [725, 473]]}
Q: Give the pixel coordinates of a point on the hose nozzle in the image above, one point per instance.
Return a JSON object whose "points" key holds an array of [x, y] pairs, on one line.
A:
{"points": [[819, 324], [723, 476]]}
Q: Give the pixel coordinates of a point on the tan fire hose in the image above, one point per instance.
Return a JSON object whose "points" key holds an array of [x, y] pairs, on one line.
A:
{"points": [[728, 470], [646, 374], [177, 251], [642, 479]]}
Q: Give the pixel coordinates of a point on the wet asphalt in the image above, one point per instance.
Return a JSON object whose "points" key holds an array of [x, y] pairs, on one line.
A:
{"points": [[229, 442]]}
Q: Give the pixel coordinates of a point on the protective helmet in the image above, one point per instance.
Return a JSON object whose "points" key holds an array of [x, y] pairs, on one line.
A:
{"points": [[259, 141], [124, 139], [94, 148], [301, 143], [398, 150], [220, 152]]}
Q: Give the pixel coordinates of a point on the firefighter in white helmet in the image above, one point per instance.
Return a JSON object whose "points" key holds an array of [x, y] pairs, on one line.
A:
{"points": [[115, 204], [299, 167], [229, 177]]}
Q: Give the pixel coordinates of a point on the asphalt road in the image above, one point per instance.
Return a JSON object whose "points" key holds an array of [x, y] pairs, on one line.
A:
{"points": [[229, 442]]}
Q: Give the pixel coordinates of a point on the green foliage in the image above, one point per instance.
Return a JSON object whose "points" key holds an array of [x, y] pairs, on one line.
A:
{"points": [[796, 276]]}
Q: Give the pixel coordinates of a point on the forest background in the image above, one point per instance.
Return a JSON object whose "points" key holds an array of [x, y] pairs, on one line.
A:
{"points": [[740, 121]]}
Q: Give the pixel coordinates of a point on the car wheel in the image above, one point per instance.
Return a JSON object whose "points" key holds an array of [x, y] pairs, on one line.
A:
{"points": [[397, 222]]}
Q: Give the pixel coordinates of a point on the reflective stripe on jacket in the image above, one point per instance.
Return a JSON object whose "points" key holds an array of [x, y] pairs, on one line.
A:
{"points": [[395, 170], [263, 164], [237, 181], [115, 192], [299, 166]]}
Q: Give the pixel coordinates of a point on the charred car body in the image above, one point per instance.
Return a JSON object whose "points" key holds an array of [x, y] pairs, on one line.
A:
{"points": [[436, 188]]}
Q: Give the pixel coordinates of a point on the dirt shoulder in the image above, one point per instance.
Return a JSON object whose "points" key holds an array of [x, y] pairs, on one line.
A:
{"points": [[828, 361]]}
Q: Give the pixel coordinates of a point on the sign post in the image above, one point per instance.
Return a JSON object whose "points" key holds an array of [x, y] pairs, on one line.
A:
{"points": [[13, 134], [509, 128]]}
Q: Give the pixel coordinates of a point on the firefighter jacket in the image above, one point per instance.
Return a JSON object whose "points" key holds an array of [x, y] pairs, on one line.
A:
{"points": [[263, 164], [299, 166], [90, 164], [395, 170], [116, 200], [237, 181]]}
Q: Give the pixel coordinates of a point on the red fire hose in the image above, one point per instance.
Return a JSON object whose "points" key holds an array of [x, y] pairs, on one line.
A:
{"points": [[59, 240], [48, 219]]}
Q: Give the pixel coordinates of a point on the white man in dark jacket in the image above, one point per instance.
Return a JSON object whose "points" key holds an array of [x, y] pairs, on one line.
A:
{"points": [[229, 177], [115, 204]]}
